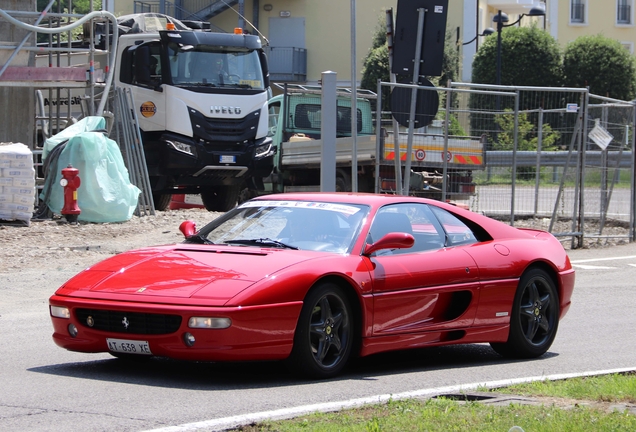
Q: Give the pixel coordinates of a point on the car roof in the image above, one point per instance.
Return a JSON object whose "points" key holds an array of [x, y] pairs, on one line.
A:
{"points": [[371, 199], [496, 229]]}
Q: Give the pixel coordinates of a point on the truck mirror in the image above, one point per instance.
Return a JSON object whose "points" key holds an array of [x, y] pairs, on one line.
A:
{"points": [[142, 65], [264, 67]]}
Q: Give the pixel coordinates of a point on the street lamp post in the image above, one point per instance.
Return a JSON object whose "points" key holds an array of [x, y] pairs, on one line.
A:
{"points": [[487, 32], [501, 19]]}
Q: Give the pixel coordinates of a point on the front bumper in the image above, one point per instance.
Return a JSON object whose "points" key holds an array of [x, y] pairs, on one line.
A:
{"points": [[257, 332]]}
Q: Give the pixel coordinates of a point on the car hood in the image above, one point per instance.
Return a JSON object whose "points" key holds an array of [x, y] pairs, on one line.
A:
{"points": [[211, 273]]}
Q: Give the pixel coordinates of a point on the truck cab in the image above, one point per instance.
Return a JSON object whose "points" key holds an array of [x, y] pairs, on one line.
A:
{"points": [[295, 127], [201, 101]]}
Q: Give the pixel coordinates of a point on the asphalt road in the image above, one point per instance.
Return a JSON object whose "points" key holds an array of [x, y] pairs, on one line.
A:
{"points": [[44, 388]]}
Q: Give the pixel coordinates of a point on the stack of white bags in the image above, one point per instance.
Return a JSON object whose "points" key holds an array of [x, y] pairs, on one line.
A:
{"points": [[17, 182]]}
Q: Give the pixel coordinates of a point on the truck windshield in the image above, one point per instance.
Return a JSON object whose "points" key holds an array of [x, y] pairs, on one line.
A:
{"points": [[195, 66]]}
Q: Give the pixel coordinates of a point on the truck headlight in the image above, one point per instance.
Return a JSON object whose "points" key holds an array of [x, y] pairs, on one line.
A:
{"points": [[183, 147], [263, 150], [209, 322]]}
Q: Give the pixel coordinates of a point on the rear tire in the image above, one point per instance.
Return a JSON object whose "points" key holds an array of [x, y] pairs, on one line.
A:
{"points": [[535, 317], [324, 334], [221, 198]]}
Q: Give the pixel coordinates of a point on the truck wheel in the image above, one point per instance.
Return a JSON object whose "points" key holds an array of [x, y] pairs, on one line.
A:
{"points": [[162, 201], [221, 199], [343, 181]]}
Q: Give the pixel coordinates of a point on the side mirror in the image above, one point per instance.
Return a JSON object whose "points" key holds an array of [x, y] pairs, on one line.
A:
{"points": [[188, 228], [393, 240]]}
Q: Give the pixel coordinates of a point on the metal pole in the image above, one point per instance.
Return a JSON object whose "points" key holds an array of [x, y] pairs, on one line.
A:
{"points": [[632, 197], [538, 165], [378, 138], [397, 162], [445, 153], [514, 159], [354, 106], [328, 133], [416, 80], [498, 72]]}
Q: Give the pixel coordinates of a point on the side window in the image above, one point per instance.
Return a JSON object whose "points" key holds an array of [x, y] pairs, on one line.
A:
{"points": [[126, 68], [274, 110], [307, 116], [343, 121], [412, 218], [456, 231], [130, 61]]}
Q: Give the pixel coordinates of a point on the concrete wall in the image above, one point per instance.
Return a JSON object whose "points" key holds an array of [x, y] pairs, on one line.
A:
{"points": [[17, 106]]}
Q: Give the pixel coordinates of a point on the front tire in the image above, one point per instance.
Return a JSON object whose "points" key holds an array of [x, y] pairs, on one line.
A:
{"points": [[324, 333], [162, 201], [535, 317], [221, 198]]}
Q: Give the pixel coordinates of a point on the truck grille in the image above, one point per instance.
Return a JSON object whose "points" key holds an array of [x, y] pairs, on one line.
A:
{"points": [[224, 130], [128, 322]]}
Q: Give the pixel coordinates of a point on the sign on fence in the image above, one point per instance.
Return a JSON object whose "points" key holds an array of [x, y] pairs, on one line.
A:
{"points": [[600, 136]]}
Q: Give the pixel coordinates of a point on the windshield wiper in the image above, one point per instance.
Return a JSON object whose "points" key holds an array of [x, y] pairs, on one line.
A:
{"points": [[235, 85], [261, 242], [195, 84]]}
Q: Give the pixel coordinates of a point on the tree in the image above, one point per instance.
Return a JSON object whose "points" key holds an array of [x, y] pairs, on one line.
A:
{"points": [[61, 6], [602, 64], [79, 6], [376, 64], [527, 139], [529, 57]]}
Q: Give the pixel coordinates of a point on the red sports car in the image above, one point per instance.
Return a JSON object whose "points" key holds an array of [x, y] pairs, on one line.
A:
{"points": [[316, 278]]}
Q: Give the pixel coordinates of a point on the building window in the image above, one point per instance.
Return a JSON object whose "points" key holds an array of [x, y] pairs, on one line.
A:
{"points": [[624, 12], [629, 46], [577, 11]]}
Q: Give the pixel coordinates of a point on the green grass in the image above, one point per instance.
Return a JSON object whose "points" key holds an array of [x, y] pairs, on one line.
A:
{"points": [[586, 398], [606, 388]]}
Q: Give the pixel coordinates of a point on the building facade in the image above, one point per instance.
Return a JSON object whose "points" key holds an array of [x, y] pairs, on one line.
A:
{"points": [[305, 37], [565, 20]]}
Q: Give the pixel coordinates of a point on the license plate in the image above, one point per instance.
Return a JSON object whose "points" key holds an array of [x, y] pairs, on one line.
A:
{"points": [[129, 346], [228, 159], [193, 199]]}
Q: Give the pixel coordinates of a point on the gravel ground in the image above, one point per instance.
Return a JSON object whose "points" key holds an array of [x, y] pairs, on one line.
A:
{"points": [[48, 244], [52, 243]]}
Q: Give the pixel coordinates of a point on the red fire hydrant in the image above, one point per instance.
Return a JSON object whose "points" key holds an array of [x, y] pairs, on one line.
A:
{"points": [[70, 182]]}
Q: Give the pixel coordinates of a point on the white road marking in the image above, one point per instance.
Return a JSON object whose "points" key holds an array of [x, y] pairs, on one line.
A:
{"points": [[591, 267], [286, 413], [603, 259]]}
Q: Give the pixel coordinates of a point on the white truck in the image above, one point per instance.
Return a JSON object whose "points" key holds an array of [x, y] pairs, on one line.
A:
{"points": [[201, 101], [295, 118]]}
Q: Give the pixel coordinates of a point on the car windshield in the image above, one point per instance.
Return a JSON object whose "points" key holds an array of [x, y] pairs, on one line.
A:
{"points": [[305, 225], [198, 66]]}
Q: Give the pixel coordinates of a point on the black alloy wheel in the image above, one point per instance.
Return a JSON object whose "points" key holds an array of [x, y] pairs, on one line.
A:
{"points": [[324, 333], [535, 317]]}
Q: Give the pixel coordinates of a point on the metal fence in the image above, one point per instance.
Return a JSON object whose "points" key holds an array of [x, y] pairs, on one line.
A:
{"points": [[558, 159]]}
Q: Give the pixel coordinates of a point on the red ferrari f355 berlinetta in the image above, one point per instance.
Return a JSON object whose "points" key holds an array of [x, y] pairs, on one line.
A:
{"points": [[316, 278]]}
